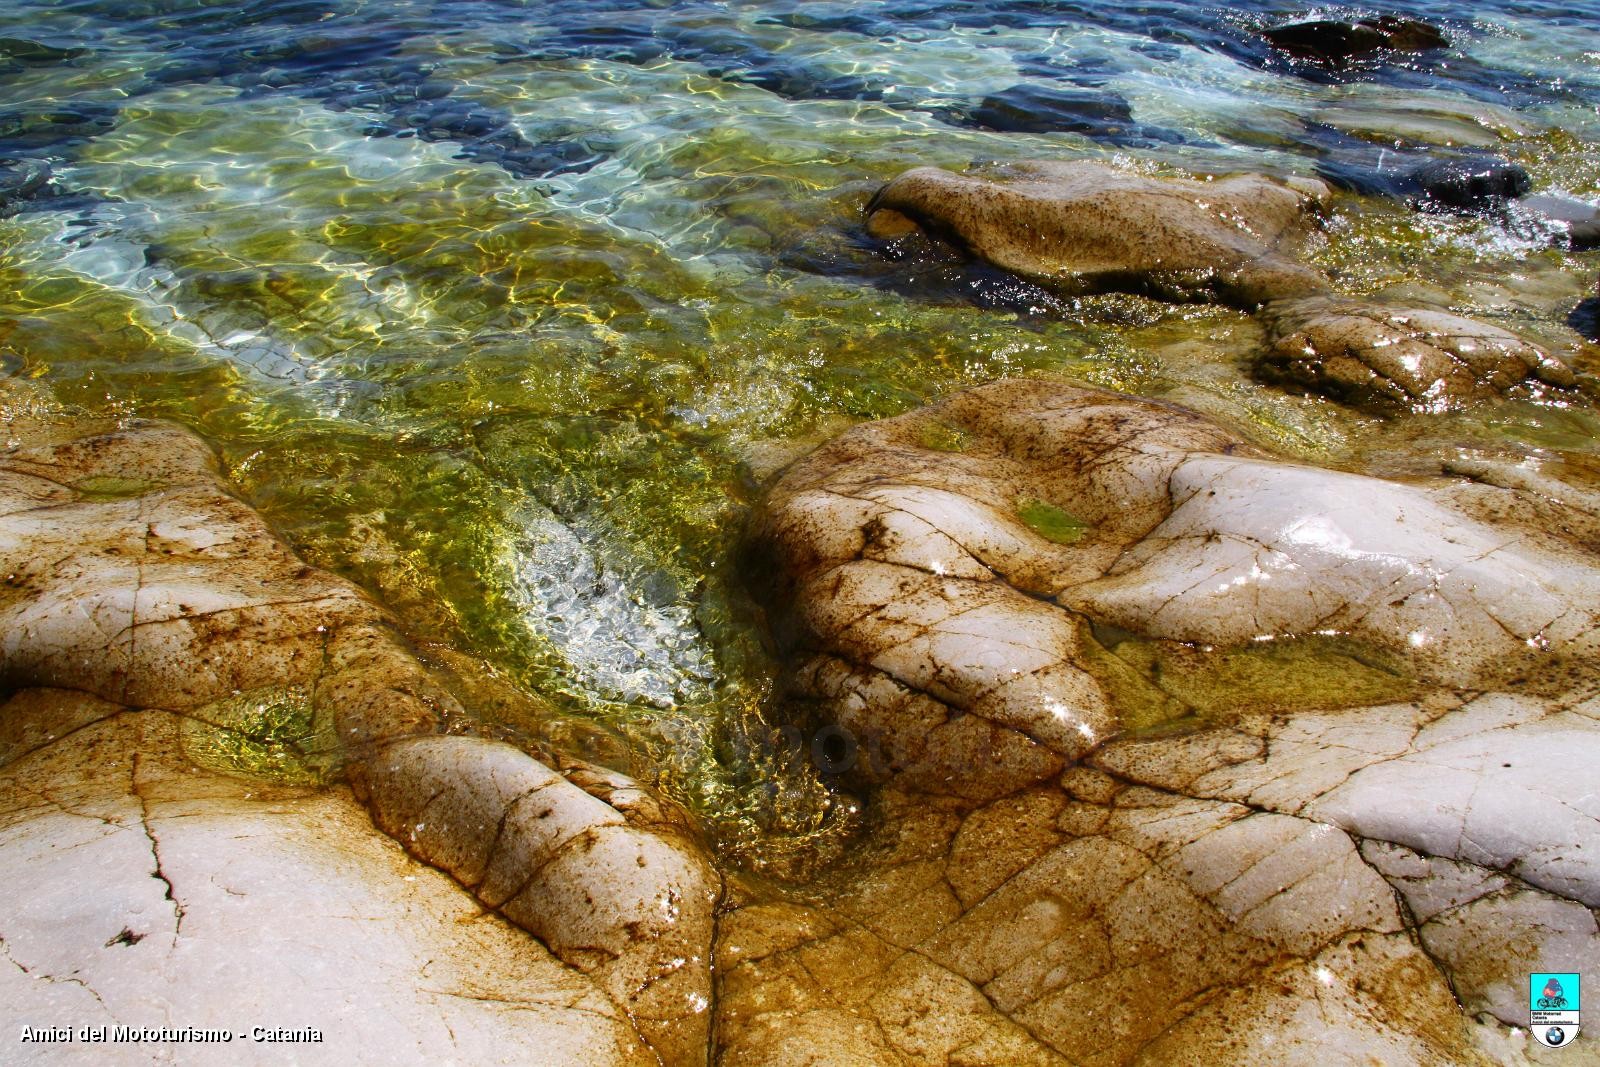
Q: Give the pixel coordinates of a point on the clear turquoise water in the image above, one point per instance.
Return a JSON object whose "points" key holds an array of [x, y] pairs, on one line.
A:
{"points": [[503, 309]]}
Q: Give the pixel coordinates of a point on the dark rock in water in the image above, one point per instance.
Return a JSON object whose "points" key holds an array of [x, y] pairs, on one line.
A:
{"points": [[1326, 40], [1156, 50], [619, 44], [840, 23], [1408, 35], [1365, 178], [36, 51], [22, 180], [1090, 72], [1039, 109], [1034, 109], [798, 81], [424, 109], [1331, 41], [1584, 236], [1471, 184], [544, 159], [1357, 165], [1585, 318], [32, 130]]}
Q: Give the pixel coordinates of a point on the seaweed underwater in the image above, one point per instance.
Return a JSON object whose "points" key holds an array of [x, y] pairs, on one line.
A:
{"points": [[760, 532]]}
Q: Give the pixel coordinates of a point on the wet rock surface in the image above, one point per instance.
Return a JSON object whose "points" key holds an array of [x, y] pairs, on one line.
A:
{"points": [[1019, 918], [1259, 885], [1006, 606], [1089, 227], [148, 893], [1335, 42], [924, 566], [626, 902], [149, 616], [1471, 184], [1400, 358], [1084, 227]]}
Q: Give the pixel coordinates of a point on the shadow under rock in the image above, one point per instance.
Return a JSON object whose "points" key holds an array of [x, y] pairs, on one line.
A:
{"points": [[1585, 318]]}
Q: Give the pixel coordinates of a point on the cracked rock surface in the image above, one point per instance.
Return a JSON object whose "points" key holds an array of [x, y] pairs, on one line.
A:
{"points": [[1084, 226], [149, 621], [1011, 599], [146, 893], [1397, 358], [1174, 752]]}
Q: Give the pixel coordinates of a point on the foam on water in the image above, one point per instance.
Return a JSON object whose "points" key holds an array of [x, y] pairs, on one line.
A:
{"points": [[620, 633]]}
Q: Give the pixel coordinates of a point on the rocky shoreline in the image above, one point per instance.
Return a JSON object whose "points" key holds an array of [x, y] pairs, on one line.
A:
{"points": [[1156, 744]]}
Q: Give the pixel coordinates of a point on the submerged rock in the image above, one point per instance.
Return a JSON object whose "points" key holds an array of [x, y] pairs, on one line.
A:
{"points": [[26, 51], [1033, 109], [138, 582], [1585, 318], [1399, 358], [1088, 227], [1026, 108], [1332, 41], [621, 636], [22, 180], [1244, 884], [1584, 236]]}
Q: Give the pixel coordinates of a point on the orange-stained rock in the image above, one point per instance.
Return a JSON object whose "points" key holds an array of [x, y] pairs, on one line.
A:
{"points": [[170, 610], [1298, 872]]}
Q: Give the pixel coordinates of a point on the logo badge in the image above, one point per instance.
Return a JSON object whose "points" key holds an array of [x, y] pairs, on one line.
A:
{"points": [[1553, 1008]]}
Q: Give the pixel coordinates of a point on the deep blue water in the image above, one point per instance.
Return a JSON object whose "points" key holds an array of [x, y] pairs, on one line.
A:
{"points": [[357, 55]]}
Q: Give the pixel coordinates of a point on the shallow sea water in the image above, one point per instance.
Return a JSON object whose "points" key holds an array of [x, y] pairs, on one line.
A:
{"points": [[504, 309]]}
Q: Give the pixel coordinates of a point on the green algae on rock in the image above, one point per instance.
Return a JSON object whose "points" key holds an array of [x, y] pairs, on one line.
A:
{"points": [[1049, 521], [274, 734], [178, 607]]}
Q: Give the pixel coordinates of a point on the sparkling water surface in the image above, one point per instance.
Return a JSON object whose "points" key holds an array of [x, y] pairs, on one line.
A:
{"points": [[504, 310]]}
